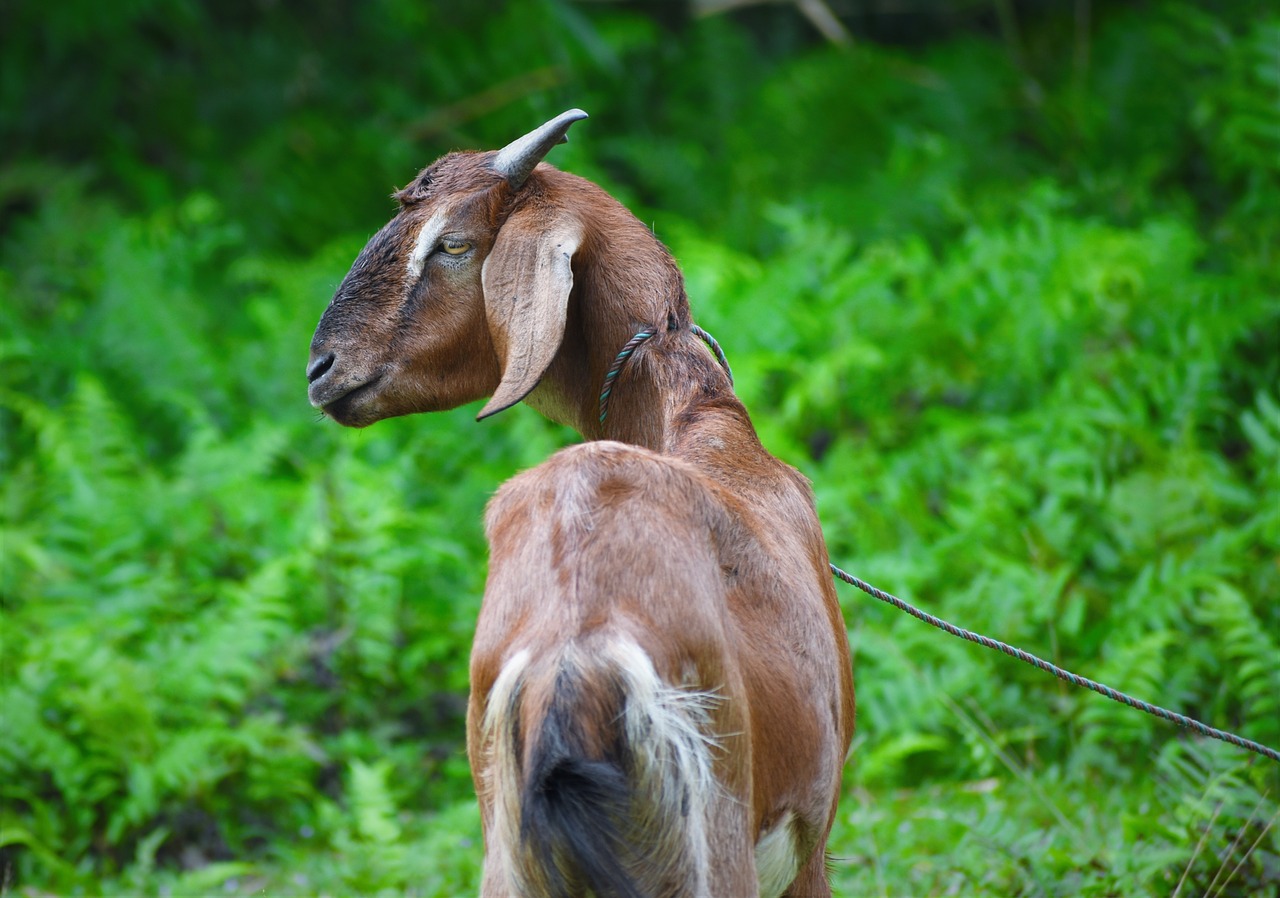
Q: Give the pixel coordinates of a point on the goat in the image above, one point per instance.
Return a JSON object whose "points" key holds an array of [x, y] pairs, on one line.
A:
{"points": [[661, 692]]}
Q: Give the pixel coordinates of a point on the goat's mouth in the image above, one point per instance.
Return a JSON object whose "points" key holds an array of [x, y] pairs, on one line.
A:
{"points": [[348, 404]]}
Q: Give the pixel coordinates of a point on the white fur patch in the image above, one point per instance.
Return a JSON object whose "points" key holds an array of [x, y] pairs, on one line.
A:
{"points": [[502, 776], [777, 860], [428, 237], [669, 728]]}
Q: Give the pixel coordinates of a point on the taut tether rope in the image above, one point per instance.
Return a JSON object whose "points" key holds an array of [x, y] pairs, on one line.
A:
{"points": [[1066, 675]]}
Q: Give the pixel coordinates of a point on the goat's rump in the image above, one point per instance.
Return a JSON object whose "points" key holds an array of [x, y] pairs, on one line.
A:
{"points": [[635, 730], [601, 775], [603, 684]]}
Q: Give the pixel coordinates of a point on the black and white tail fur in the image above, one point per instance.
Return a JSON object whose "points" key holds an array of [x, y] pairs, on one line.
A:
{"points": [[629, 818]]}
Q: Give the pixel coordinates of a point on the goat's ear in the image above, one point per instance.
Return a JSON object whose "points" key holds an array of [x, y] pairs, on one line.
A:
{"points": [[527, 278]]}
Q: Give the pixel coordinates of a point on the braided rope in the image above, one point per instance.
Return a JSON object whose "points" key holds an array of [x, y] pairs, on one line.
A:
{"points": [[1068, 676], [612, 374], [621, 360], [1073, 679], [715, 348]]}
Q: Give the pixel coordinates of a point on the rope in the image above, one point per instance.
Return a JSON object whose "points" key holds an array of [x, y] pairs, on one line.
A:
{"points": [[1068, 676], [621, 360], [715, 348], [612, 374], [1073, 679]]}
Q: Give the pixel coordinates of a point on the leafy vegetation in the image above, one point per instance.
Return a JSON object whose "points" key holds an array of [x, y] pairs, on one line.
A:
{"points": [[1006, 286]]}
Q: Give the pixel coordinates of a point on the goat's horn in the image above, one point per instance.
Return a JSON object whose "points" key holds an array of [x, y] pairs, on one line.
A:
{"points": [[517, 159]]}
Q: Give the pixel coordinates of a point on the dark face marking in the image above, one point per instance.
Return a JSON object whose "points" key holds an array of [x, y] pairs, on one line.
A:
{"points": [[405, 332]]}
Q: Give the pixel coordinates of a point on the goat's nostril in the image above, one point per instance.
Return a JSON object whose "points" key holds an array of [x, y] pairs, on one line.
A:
{"points": [[318, 367]]}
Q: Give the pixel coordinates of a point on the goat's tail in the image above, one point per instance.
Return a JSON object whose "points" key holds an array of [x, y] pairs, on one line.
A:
{"points": [[601, 775]]}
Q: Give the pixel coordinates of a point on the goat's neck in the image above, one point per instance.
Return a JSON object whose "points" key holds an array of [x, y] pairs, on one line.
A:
{"points": [[670, 396], [674, 391], [626, 281]]}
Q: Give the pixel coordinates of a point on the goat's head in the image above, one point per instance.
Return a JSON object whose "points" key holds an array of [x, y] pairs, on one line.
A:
{"points": [[463, 294]]}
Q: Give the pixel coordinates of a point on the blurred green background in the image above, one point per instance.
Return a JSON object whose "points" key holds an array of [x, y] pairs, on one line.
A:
{"points": [[1002, 278]]}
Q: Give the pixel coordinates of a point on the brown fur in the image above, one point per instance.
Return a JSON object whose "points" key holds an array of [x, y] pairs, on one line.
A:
{"points": [[717, 541], [581, 560]]}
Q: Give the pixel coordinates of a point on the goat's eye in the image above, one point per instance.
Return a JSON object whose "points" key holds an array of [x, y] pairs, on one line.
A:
{"points": [[454, 247]]}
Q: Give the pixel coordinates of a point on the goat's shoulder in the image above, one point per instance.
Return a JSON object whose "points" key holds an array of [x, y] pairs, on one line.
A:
{"points": [[601, 475]]}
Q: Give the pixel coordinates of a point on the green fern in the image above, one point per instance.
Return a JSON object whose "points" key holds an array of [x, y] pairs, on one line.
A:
{"points": [[1137, 668], [370, 835], [1251, 676]]}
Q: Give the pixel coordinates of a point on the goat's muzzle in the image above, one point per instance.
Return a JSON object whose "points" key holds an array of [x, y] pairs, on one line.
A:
{"points": [[339, 392]]}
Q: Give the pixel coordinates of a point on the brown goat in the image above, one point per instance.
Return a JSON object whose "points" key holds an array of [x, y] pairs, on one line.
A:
{"points": [[661, 695]]}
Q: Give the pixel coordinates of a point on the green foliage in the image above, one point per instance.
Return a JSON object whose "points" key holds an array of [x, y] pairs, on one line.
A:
{"points": [[211, 607], [1013, 308]]}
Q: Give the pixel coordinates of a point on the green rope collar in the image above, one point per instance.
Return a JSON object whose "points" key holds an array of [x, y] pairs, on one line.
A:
{"points": [[630, 347]]}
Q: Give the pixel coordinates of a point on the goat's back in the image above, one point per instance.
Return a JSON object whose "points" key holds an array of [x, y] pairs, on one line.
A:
{"points": [[610, 533], [607, 714], [630, 595]]}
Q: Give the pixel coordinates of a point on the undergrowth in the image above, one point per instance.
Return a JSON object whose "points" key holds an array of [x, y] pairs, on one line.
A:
{"points": [[1015, 311]]}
